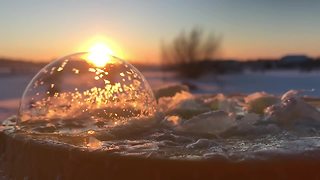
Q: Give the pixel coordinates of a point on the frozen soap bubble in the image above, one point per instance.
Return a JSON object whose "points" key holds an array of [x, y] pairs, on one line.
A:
{"points": [[85, 91]]}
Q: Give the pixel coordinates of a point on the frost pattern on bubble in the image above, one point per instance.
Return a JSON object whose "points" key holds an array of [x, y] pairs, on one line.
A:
{"points": [[72, 93]]}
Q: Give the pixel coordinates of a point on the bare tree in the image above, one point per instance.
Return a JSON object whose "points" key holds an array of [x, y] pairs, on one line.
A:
{"points": [[187, 49]]}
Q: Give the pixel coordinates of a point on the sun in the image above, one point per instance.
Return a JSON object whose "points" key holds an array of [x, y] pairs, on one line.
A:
{"points": [[99, 55]]}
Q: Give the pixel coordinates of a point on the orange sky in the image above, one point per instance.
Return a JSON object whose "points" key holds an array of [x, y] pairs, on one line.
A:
{"points": [[43, 30]]}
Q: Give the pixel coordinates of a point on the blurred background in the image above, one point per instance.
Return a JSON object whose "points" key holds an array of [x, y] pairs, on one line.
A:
{"points": [[211, 46]]}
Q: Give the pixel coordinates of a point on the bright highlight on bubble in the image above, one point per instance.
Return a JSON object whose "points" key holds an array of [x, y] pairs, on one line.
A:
{"points": [[89, 91], [99, 55]]}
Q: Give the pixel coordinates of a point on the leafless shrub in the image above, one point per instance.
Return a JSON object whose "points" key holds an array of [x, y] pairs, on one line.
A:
{"points": [[188, 49]]}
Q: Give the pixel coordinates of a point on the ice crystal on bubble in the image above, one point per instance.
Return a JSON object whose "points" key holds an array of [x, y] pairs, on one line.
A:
{"points": [[84, 91]]}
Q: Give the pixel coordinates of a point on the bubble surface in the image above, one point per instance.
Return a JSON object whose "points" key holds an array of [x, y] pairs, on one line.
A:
{"points": [[85, 91]]}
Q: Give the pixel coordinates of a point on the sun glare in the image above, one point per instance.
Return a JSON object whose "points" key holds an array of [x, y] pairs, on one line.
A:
{"points": [[99, 55]]}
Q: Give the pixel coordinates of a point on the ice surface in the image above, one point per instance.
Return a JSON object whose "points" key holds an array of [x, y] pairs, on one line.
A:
{"points": [[226, 126], [192, 126]]}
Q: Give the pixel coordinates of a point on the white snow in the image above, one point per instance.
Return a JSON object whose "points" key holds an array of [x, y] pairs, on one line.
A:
{"points": [[271, 82]]}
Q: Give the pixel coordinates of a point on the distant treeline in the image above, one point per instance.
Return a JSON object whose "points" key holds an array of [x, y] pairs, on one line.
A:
{"points": [[10, 66], [235, 66]]}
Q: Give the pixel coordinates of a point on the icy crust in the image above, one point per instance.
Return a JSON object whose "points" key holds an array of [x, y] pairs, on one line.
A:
{"points": [[237, 127]]}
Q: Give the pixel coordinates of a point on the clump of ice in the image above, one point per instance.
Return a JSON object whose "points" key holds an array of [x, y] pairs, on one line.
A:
{"points": [[212, 122], [223, 103], [292, 109], [257, 113], [170, 91], [258, 101], [183, 104]]}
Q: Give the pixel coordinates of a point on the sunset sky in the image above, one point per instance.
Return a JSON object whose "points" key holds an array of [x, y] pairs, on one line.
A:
{"points": [[133, 29]]}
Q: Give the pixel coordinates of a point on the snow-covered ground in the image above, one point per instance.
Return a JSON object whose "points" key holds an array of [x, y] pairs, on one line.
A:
{"points": [[275, 82], [11, 89]]}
